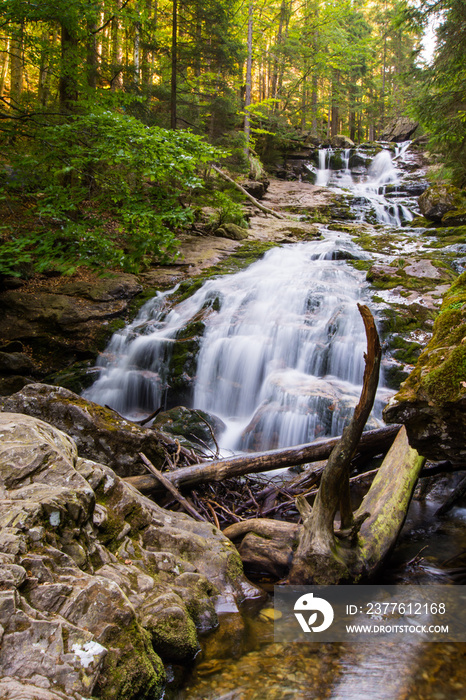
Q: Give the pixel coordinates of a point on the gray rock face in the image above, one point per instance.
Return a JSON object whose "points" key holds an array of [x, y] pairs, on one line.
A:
{"points": [[66, 325], [399, 130], [97, 583], [101, 435]]}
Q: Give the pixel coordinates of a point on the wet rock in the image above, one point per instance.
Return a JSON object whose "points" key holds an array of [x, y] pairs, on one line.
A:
{"points": [[100, 433], [341, 141], [198, 428], [16, 363], [432, 401], [236, 233], [399, 129], [88, 625], [256, 188], [456, 217], [11, 384], [67, 322]]}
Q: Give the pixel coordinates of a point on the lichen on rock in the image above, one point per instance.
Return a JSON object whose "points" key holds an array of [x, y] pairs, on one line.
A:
{"points": [[99, 585]]}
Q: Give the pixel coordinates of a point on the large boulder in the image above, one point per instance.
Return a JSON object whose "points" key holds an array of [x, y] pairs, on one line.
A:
{"points": [[399, 129], [437, 201], [432, 401], [100, 433], [98, 584], [236, 233], [340, 141]]}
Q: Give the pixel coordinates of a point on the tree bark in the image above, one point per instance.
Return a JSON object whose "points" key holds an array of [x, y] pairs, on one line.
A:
{"points": [[174, 66], [318, 548], [248, 94], [257, 204], [253, 463], [16, 66]]}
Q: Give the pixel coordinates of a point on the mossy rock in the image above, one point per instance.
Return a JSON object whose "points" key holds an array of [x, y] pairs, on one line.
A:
{"points": [[77, 377], [432, 401], [232, 231], [132, 670], [196, 428]]}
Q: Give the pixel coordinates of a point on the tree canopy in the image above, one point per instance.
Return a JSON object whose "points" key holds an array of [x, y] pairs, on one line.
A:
{"points": [[110, 109]]}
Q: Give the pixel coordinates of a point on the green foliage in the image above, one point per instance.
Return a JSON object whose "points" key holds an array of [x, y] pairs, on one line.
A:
{"points": [[102, 189], [441, 98], [228, 211]]}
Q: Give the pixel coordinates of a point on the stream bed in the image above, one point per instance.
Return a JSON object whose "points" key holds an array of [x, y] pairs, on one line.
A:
{"points": [[280, 361]]}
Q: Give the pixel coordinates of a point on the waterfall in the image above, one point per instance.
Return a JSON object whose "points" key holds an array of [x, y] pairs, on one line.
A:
{"points": [[370, 191], [276, 350], [281, 357]]}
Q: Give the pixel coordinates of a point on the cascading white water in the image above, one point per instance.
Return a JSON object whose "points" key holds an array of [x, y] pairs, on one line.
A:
{"points": [[281, 359], [324, 172], [370, 190]]}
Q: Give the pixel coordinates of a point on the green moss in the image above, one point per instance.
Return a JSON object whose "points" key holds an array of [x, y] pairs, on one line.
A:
{"points": [[441, 368], [234, 565], [131, 670], [446, 382], [406, 351], [362, 265], [174, 637]]}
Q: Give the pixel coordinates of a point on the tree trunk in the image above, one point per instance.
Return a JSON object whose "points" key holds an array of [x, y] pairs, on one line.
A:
{"points": [[324, 556], [17, 68], [116, 80], [4, 71], [248, 93], [68, 92], [174, 66], [253, 463]]}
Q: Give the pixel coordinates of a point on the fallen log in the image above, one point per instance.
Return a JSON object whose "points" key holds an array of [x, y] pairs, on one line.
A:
{"points": [[255, 462], [257, 204]]}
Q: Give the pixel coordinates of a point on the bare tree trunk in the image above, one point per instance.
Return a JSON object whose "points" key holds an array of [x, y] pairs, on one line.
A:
{"points": [[248, 94], [174, 66], [137, 39], [318, 548], [17, 67], [4, 71]]}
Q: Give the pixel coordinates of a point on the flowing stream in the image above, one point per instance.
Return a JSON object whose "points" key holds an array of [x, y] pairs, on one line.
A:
{"points": [[281, 355], [281, 362]]}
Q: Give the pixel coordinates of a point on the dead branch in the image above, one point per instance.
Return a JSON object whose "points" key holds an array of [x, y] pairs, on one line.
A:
{"points": [[255, 462], [171, 489], [257, 204]]}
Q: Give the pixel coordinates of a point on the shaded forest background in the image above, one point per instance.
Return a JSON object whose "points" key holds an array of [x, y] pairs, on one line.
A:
{"points": [[111, 111]]}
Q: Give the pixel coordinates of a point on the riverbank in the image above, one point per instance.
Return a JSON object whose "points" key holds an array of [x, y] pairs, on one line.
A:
{"points": [[52, 328]]}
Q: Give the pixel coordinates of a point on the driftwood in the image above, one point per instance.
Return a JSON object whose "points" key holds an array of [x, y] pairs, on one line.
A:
{"points": [[218, 470], [257, 204], [325, 556]]}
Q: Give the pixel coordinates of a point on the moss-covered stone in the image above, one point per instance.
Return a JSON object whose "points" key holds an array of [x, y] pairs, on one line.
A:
{"points": [[132, 670], [431, 402]]}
